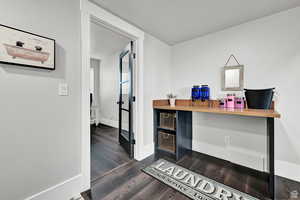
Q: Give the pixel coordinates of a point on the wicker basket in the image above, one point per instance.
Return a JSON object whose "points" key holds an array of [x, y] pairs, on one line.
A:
{"points": [[166, 141], [168, 121]]}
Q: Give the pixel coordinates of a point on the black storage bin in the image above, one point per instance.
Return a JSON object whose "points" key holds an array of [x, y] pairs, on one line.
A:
{"points": [[259, 99]]}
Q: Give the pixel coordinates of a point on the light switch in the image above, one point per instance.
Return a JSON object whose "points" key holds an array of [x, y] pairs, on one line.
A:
{"points": [[63, 89]]}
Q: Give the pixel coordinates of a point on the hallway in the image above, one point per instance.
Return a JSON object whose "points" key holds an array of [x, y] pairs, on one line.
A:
{"points": [[106, 152]]}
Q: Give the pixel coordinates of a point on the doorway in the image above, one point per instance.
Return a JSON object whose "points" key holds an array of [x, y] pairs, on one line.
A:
{"points": [[111, 100], [91, 12]]}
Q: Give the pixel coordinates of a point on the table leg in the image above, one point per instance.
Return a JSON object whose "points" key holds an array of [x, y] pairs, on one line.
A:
{"points": [[270, 132]]}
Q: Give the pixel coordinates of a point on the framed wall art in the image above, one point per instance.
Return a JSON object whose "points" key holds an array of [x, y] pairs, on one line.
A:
{"points": [[26, 49], [233, 76]]}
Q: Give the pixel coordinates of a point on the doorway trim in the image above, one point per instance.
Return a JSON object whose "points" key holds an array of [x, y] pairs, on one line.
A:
{"points": [[89, 12]]}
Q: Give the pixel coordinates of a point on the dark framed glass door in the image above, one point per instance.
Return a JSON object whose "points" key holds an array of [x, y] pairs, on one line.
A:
{"points": [[126, 136]]}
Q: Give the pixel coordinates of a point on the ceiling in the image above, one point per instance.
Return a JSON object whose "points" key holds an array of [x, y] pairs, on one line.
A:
{"points": [[175, 21], [105, 42]]}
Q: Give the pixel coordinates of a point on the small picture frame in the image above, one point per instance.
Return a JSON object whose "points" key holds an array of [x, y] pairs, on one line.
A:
{"points": [[26, 49], [233, 78]]}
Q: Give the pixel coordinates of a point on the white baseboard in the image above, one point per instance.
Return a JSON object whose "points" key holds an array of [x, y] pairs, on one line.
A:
{"points": [[236, 155], [287, 170], [147, 150], [62, 191], [109, 122], [244, 157], [211, 150], [249, 159]]}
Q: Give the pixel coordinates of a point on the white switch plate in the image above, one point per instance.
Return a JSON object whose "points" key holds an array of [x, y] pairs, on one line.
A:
{"points": [[63, 89]]}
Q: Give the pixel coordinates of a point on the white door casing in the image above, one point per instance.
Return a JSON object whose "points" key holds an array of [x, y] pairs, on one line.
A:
{"points": [[91, 12]]}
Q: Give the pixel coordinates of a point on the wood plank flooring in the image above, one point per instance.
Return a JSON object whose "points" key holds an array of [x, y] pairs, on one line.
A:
{"points": [[106, 152], [129, 183]]}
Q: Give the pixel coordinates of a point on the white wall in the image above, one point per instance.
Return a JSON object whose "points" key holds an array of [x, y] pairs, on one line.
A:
{"points": [[109, 90], [270, 50], [157, 69], [95, 89], [40, 131]]}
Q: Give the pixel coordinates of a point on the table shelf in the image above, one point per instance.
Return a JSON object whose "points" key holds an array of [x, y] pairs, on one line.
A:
{"points": [[187, 105], [183, 130]]}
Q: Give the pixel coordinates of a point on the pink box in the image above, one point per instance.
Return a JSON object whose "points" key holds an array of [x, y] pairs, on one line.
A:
{"points": [[230, 101], [239, 103]]}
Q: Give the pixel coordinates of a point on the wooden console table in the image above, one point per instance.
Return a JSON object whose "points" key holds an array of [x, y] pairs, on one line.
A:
{"points": [[183, 130]]}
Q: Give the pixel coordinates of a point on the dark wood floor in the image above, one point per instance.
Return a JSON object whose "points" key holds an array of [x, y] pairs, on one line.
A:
{"points": [[106, 152], [127, 182]]}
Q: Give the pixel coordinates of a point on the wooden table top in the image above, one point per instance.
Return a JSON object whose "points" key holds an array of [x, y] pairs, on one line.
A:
{"points": [[226, 111]]}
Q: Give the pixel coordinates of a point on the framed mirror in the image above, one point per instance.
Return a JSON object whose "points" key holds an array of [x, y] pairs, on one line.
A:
{"points": [[233, 78]]}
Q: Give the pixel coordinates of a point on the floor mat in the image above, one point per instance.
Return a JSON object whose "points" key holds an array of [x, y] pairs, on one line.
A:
{"points": [[192, 185]]}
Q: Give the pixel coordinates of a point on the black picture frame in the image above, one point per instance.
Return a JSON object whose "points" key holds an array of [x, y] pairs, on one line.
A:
{"points": [[35, 52]]}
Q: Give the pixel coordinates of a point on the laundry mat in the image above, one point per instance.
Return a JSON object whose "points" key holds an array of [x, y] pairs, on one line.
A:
{"points": [[191, 184]]}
